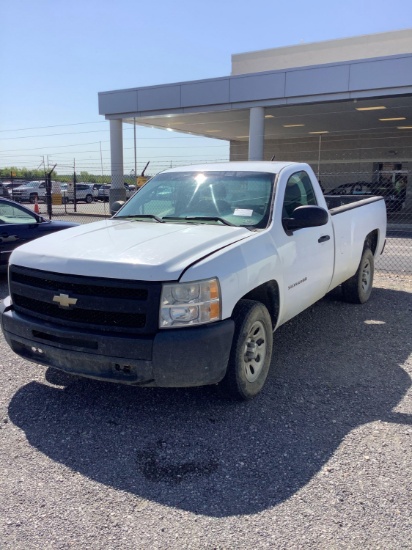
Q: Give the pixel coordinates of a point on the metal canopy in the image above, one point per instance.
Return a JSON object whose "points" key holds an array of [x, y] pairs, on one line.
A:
{"points": [[297, 101], [335, 118]]}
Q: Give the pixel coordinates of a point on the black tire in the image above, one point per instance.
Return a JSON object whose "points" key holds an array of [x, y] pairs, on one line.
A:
{"points": [[357, 289], [251, 351], [33, 198], [89, 199]]}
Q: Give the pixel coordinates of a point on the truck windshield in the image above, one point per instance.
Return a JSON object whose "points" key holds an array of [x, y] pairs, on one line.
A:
{"points": [[233, 198]]}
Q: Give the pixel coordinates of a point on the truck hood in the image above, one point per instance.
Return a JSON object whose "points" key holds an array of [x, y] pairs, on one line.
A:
{"points": [[24, 188], [137, 250]]}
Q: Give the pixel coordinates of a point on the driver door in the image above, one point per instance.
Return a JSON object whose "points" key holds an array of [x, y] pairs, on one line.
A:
{"points": [[307, 254]]}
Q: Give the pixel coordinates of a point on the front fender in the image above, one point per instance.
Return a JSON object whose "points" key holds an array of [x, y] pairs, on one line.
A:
{"points": [[240, 268]]}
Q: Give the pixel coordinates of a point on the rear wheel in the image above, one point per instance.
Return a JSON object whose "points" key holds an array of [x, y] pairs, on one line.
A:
{"points": [[357, 289], [33, 198], [251, 351]]}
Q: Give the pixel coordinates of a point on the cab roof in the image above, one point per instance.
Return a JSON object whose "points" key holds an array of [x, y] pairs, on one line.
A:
{"points": [[237, 166]]}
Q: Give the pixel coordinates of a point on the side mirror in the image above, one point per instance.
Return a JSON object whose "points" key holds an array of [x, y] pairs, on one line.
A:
{"points": [[116, 206], [306, 216]]}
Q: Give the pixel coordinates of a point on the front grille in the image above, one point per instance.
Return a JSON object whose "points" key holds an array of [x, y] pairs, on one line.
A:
{"points": [[104, 318], [101, 304], [78, 288]]}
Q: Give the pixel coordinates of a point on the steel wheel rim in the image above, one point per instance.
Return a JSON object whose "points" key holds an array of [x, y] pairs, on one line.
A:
{"points": [[254, 351], [366, 276]]}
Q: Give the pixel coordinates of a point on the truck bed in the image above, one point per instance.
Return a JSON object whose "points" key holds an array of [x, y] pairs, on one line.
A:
{"points": [[341, 203]]}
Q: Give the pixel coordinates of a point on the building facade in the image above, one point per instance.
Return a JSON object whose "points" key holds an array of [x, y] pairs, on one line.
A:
{"points": [[344, 106]]}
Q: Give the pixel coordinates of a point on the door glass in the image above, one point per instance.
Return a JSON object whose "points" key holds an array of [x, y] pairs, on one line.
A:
{"points": [[299, 192], [15, 215]]}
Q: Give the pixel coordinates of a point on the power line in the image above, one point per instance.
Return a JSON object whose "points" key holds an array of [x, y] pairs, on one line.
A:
{"points": [[50, 149], [54, 135], [53, 126], [107, 141], [129, 126]]}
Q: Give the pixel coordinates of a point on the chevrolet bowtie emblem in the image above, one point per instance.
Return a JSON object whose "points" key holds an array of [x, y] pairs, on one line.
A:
{"points": [[64, 300]]}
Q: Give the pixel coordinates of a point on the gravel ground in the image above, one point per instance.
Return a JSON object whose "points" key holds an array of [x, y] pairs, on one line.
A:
{"points": [[321, 459]]}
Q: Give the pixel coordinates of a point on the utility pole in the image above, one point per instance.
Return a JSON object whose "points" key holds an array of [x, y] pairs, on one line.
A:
{"points": [[101, 160]]}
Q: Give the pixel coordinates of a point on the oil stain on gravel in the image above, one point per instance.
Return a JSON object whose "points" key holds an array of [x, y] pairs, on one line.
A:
{"points": [[158, 463]]}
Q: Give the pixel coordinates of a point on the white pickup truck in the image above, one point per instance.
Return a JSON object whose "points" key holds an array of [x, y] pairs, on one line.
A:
{"points": [[30, 191], [186, 283]]}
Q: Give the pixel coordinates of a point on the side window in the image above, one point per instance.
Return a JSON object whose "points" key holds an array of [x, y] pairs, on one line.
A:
{"points": [[15, 215], [299, 192]]}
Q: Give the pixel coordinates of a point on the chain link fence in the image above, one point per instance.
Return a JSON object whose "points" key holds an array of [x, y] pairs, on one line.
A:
{"points": [[394, 186], [88, 201]]}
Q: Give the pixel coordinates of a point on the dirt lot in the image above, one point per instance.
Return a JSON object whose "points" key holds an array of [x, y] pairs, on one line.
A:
{"points": [[321, 459]]}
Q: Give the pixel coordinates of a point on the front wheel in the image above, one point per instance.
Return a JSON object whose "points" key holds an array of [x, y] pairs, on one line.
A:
{"points": [[357, 289], [89, 199], [33, 198], [251, 351]]}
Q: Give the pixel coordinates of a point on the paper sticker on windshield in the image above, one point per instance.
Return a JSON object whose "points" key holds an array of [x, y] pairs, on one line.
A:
{"points": [[243, 212]]}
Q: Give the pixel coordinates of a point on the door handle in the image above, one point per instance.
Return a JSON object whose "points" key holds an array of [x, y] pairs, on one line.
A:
{"points": [[324, 238]]}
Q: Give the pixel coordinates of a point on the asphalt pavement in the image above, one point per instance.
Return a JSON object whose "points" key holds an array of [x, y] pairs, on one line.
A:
{"points": [[321, 459]]}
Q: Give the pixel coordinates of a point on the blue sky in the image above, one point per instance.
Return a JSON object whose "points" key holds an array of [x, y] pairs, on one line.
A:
{"points": [[56, 55]]}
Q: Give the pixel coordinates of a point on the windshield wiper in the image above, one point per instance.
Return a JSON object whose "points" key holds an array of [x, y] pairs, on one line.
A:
{"points": [[196, 218], [144, 216]]}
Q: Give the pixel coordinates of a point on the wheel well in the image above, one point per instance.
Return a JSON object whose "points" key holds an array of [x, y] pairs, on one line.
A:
{"points": [[268, 295], [371, 241]]}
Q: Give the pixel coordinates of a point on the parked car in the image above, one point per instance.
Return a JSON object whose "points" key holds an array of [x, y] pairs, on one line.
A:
{"points": [[393, 200], [104, 191], [19, 225], [96, 187], [84, 193], [11, 186], [30, 191], [130, 190], [4, 192]]}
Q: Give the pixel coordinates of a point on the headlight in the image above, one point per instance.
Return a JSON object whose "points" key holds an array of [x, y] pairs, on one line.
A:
{"points": [[188, 304]]}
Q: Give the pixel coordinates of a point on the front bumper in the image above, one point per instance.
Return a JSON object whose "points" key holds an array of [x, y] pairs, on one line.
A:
{"points": [[21, 198], [171, 358]]}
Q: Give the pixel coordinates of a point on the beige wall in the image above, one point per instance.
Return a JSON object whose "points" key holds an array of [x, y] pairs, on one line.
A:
{"points": [[331, 51]]}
